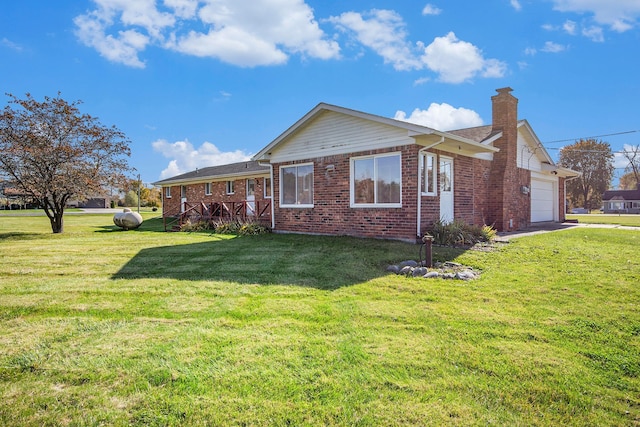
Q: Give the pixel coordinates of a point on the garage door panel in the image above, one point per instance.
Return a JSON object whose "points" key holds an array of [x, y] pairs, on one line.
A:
{"points": [[542, 200]]}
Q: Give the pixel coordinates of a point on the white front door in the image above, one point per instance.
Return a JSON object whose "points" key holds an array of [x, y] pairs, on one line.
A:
{"points": [[251, 196], [446, 189]]}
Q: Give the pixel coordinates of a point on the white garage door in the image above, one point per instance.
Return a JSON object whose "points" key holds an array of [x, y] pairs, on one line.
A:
{"points": [[542, 200]]}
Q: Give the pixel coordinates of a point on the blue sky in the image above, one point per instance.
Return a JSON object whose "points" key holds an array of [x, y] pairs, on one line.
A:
{"points": [[197, 83]]}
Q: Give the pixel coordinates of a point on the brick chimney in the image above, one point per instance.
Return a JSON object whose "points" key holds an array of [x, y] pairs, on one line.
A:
{"points": [[505, 199]]}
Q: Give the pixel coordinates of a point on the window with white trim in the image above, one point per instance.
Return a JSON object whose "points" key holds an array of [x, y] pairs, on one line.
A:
{"points": [[428, 174], [167, 192], [296, 185], [231, 187], [207, 188], [376, 181]]}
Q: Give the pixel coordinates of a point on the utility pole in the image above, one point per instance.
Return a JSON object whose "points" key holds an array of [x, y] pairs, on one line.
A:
{"points": [[139, 184]]}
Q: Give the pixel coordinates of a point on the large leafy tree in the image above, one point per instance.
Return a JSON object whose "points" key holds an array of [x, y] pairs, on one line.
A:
{"points": [[628, 181], [595, 160], [55, 153]]}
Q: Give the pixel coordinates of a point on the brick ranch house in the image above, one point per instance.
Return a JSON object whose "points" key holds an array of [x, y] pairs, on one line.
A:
{"points": [[621, 201], [338, 171]]}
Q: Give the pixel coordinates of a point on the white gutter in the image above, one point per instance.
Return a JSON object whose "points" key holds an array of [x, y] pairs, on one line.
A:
{"points": [[273, 197], [420, 151]]}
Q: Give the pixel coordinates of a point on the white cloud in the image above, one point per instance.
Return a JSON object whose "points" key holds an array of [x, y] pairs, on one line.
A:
{"points": [[123, 48], [516, 5], [595, 33], [569, 27], [551, 47], [184, 157], [530, 51], [442, 117], [185, 9], [430, 9], [619, 15], [382, 31], [232, 45], [457, 61], [241, 32], [11, 45]]}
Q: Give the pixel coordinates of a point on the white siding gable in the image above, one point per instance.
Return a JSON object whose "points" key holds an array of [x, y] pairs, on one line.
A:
{"points": [[331, 133], [529, 154]]}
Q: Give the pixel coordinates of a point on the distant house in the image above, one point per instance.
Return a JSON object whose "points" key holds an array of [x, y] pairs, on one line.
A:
{"points": [[92, 202], [621, 201], [338, 171], [12, 197]]}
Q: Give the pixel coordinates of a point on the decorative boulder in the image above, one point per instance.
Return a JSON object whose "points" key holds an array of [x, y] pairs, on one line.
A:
{"points": [[127, 219]]}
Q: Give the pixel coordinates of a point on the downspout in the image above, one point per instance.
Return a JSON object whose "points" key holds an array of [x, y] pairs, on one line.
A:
{"points": [[273, 197], [420, 151]]}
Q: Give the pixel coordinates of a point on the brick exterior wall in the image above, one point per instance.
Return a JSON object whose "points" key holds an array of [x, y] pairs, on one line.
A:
{"points": [[196, 193], [470, 189], [332, 214]]}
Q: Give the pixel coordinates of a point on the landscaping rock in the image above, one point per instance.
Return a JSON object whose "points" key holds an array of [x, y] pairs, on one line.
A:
{"points": [[409, 263], [393, 269], [406, 270], [465, 275], [419, 271], [447, 270]]}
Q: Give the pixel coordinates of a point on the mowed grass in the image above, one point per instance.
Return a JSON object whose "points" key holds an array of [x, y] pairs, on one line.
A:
{"points": [[106, 327], [623, 219]]}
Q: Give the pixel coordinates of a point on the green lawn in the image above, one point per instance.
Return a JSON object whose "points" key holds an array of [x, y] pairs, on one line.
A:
{"points": [[106, 327], [628, 220]]}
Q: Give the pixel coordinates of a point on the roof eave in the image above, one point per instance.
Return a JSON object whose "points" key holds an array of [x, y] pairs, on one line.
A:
{"points": [[451, 143], [209, 178], [560, 171]]}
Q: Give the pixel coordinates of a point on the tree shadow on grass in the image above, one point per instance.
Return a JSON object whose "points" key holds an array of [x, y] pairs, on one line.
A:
{"points": [[18, 235], [152, 224], [313, 261]]}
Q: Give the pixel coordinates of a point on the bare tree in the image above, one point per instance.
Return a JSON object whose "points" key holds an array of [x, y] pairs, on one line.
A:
{"points": [[54, 153], [632, 154]]}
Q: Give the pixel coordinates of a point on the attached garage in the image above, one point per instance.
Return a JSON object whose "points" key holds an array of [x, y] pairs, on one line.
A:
{"points": [[543, 200]]}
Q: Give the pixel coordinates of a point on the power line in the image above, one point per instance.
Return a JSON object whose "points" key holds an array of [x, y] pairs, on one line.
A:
{"points": [[588, 151], [592, 137]]}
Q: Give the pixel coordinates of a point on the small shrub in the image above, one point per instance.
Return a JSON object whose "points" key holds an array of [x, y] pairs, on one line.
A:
{"points": [[459, 233], [221, 226]]}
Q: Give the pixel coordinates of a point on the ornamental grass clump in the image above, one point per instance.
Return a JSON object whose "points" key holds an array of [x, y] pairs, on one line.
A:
{"points": [[459, 233]]}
